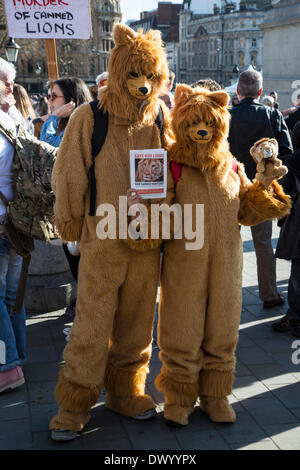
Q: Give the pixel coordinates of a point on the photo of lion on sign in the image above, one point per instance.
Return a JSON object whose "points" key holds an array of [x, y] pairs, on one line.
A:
{"points": [[149, 170]]}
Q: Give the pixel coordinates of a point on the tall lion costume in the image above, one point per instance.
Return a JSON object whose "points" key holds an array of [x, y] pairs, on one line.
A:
{"points": [[110, 341], [201, 290]]}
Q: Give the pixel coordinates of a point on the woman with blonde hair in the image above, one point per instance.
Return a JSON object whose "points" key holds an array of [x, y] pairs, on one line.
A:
{"points": [[23, 104]]}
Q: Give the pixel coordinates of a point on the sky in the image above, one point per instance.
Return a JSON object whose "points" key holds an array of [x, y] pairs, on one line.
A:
{"points": [[131, 8]]}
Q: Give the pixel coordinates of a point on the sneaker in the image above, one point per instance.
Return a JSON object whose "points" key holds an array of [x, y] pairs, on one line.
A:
{"points": [[63, 435], [66, 331], [274, 303], [146, 415], [285, 324], [11, 379]]}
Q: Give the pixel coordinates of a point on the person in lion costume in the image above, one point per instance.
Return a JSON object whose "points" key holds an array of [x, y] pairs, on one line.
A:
{"points": [[110, 340], [201, 290]]}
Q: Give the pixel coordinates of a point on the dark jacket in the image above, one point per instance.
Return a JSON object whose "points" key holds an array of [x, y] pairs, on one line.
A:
{"points": [[292, 119], [288, 246], [250, 122]]}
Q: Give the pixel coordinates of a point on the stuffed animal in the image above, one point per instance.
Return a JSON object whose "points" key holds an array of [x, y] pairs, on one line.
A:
{"points": [[110, 340], [264, 153], [201, 286]]}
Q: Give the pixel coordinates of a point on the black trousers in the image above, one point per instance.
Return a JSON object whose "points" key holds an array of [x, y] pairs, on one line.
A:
{"points": [[73, 261]]}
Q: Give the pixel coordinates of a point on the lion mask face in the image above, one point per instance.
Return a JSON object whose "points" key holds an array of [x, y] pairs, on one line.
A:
{"points": [[137, 72], [200, 121], [264, 149], [201, 132], [140, 86]]}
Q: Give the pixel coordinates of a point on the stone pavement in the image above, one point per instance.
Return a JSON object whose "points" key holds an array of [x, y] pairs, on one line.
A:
{"points": [[266, 394]]}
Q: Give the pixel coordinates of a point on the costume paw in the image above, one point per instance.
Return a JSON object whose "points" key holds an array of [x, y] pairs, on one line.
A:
{"points": [[218, 409]]}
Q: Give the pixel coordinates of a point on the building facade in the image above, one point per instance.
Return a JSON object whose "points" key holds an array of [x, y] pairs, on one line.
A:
{"points": [[281, 56], [222, 42], [166, 19]]}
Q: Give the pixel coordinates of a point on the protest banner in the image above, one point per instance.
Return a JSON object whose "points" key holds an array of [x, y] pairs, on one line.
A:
{"points": [[49, 20], [55, 19]]}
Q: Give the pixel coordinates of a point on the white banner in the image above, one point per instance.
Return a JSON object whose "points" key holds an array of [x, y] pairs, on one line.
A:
{"points": [[48, 19]]}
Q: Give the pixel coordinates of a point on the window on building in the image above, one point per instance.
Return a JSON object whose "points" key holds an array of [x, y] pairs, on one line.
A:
{"points": [[242, 41], [253, 42]]}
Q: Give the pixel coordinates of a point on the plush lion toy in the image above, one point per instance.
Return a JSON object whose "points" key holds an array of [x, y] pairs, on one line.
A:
{"points": [[201, 289], [264, 153], [110, 341]]}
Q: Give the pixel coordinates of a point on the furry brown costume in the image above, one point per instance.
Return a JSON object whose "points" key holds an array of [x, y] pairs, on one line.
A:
{"points": [[117, 280], [201, 301]]}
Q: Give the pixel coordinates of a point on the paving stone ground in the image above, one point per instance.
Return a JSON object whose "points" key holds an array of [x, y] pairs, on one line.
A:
{"points": [[266, 393]]}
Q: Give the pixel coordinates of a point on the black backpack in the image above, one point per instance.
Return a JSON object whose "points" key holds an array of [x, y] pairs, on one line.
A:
{"points": [[98, 139]]}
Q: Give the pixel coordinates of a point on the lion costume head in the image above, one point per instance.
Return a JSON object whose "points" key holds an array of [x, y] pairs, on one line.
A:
{"points": [[137, 73], [264, 152], [200, 122]]}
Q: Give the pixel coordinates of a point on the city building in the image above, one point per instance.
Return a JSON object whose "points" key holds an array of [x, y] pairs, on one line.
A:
{"points": [[220, 39], [281, 55], [166, 19]]}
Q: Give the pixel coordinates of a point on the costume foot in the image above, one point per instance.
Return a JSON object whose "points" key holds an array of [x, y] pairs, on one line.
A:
{"points": [[218, 409], [63, 435], [148, 414]]}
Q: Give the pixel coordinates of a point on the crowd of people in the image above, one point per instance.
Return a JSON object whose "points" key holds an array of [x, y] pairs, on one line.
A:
{"points": [[252, 118]]}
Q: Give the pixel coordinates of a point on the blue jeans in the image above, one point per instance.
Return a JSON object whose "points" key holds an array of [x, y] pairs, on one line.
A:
{"points": [[294, 290], [12, 325]]}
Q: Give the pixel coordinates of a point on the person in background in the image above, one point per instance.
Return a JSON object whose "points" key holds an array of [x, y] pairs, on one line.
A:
{"points": [[293, 114], [235, 100], [23, 104], [250, 122], [168, 97], [208, 83], [66, 95], [101, 80], [12, 325], [42, 112], [268, 101], [7, 76], [275, 98], [288, 246], [94, 92]]}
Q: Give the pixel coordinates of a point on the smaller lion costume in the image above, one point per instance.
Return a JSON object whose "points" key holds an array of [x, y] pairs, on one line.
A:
{"points": [[201, 290], [110, 340]]}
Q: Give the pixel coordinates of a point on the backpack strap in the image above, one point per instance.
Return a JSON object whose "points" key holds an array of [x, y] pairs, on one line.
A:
{"points": [[234, 165], [159, 121], [98, 139], [176, 169]]}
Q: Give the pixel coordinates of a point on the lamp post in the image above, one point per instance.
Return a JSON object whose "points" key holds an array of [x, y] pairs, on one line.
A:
{"points": [[12, 51]]}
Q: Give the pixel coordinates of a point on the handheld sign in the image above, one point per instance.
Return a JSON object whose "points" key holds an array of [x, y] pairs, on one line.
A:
{"points": [[48, 19], [148, 172]]}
